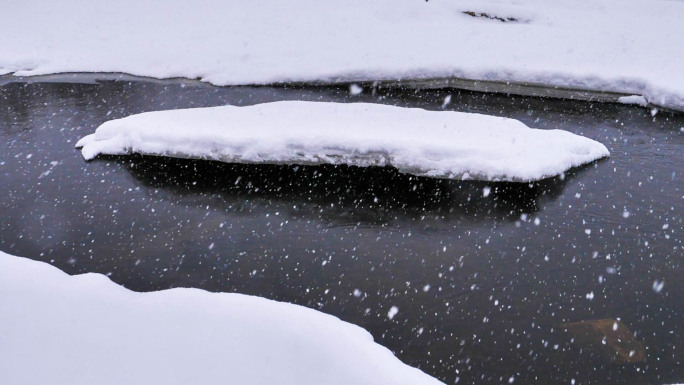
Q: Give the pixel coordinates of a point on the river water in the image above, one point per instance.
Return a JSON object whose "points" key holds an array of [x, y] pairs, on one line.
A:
{"points": [[482, 275]]}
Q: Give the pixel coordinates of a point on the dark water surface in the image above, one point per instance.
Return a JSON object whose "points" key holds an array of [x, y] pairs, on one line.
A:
{"points": [[481, 283]]}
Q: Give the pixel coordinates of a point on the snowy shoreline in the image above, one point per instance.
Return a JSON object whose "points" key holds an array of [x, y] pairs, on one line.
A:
{"points": [[561, 91], [628, 47], [85, 329], [436, 144]]}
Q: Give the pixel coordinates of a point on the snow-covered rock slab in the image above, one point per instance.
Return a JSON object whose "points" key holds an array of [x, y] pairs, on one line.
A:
{"points": [[438, 144], [61, 329]]}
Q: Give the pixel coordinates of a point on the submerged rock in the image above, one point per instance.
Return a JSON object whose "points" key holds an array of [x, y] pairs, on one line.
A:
{"points": [[609, 338]]}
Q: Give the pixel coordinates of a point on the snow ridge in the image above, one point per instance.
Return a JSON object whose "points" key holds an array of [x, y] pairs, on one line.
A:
{"points": [[631, 47], [61, 329], [438, 144]]}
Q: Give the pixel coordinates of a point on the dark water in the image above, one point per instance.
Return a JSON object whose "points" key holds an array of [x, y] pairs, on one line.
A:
{"points": [[481, 283]]}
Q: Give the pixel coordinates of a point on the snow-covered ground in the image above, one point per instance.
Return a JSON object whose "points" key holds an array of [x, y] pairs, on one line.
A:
{"points": [[61, 329], [632, 47], [441, 144]]}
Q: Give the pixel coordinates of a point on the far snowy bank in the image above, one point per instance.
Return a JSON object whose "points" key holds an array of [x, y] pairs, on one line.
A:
{"points": [[61, 329], [603, 49], [442, 144]]}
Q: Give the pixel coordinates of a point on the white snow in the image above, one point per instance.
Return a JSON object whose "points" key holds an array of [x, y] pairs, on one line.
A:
{"points": [[61, 329], [441, 144], [355, 89], [632, 47], [633, 99], [392, 312]]}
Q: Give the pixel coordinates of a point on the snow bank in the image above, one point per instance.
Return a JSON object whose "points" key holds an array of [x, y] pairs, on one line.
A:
{"points": [[633, 47], [441, 144], [633, 99], [59, 329]]}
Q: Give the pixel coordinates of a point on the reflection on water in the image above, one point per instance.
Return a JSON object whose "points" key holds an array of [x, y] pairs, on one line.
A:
{"points": [[375, 195], [483, 275]]}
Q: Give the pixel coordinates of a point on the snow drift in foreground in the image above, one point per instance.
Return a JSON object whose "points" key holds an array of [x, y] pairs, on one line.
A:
{"points": [[629, 46], [61, 329], [442, 144]]}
